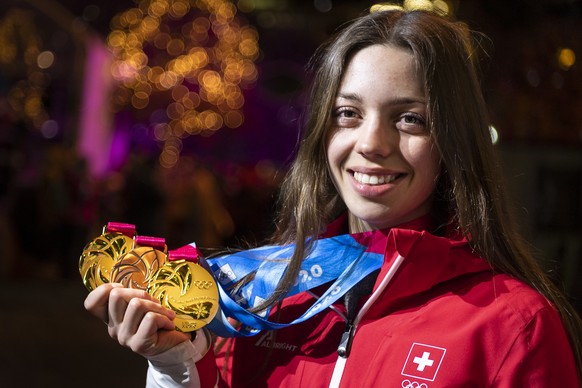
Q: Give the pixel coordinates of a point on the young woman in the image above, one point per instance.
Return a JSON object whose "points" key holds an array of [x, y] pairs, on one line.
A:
{"points": [[397, 152]]}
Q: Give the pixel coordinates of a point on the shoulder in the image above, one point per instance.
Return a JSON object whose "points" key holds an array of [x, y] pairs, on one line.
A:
{"points": [[531, 316], [538, 351], [519, 298], [511, 319], [493, 328], [501, 302]]}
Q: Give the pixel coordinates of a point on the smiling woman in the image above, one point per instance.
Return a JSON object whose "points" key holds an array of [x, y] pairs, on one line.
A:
{"points": [[395, 260], [380, 154]]}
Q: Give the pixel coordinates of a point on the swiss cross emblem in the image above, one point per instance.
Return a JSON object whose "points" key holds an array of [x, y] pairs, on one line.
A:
{"points": [[423, 361]]}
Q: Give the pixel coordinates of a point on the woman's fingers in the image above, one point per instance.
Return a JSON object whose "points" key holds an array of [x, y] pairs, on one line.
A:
{"points": [[155, 334], [97, 302], [137, 309], [135, 319], [119, 299]]}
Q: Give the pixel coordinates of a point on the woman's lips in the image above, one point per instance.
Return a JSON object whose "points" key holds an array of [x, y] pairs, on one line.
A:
{"points": [[373, 179], [374, 184]]}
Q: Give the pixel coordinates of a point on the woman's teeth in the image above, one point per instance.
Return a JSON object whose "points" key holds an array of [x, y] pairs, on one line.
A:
{"points": [[374, 179]]}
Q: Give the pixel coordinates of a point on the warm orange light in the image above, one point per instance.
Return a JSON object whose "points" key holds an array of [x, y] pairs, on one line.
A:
{"points": [[566, 58], [196, 50]]}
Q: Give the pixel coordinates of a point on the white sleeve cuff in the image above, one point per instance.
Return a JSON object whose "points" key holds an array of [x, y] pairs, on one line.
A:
{"points": [[176, 367]]}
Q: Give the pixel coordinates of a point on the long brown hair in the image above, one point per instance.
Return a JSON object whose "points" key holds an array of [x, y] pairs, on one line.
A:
{"points": [[469, 187]]}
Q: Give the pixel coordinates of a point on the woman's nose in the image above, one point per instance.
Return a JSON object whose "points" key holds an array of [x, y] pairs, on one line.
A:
{"points": [[375, 138]]}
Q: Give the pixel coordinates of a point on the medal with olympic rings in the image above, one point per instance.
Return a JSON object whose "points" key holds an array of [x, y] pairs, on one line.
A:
{"points": [[176, 277], [184, 286]]}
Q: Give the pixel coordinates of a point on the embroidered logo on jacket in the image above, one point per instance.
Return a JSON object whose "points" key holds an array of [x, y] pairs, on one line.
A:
{"points": [[423, 361]]}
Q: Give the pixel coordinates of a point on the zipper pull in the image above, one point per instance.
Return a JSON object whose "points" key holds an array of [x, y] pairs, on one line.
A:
{"points": [[351, 299], [345, 345]]}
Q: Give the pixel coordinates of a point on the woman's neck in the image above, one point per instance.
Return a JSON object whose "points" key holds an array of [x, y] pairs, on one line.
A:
{"points": [[356, 225]]}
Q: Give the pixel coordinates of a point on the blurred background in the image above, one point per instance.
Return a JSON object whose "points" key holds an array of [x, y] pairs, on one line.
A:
{"points": [[181, 116]]}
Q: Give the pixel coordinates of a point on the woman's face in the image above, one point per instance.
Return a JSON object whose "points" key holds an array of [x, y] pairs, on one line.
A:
{"points": [[379, 151]]}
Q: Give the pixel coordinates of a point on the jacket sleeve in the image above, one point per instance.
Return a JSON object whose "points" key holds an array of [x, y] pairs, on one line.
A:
{"points": [[540, 356], [188, 365]]}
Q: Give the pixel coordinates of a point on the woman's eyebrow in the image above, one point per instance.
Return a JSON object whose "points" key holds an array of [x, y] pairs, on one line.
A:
{"points": [[395, 101], [350, 96], [407, 101]]}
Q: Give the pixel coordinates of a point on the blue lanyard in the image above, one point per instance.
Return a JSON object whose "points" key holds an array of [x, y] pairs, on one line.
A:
{"points": [[341, 260]]}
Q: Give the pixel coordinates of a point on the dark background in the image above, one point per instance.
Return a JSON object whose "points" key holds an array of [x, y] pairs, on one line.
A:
{"points": [[50, 206]]}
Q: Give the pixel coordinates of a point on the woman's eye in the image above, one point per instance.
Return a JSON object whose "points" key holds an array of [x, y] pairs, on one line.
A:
{"points": [[345, 116], [413, 119], [345, 112], [412, 122]]}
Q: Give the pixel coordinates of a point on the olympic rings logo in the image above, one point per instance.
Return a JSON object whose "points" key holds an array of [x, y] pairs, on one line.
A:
{"points": [[413, 384], [203, 284]]}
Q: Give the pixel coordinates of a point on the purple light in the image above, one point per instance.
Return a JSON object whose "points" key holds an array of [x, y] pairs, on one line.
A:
{"points": [[95, 121]]}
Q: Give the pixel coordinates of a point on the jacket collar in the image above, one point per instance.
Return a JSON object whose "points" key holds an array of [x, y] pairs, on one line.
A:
{"points": [[375, 240], [428, 259]]}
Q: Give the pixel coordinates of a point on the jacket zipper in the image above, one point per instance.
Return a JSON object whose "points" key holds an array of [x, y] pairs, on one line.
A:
{"points": [[345, 345]]}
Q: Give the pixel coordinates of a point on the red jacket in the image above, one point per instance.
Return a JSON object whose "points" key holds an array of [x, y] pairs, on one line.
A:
{"points": [[438, 317]]}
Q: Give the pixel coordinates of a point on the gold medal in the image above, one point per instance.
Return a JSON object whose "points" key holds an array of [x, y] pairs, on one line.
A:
{"points": [[188, 289], [178, 281], [100, 255], [135, 268]]}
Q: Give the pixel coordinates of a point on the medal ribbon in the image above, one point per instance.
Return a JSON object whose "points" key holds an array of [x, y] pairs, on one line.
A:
{"points": [[187, 252], [158, 243], [126, 229], [341, 260]]}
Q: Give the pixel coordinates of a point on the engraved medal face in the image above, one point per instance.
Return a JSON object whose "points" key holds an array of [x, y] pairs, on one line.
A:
{"points": [[135, 268], [189, 290], [99, 256]]}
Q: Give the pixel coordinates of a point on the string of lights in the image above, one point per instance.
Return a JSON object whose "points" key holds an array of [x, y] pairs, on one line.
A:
{"points": [[190, 58]]}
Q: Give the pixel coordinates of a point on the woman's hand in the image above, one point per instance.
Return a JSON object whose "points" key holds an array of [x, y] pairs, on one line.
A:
{"points": [[135, 319]]}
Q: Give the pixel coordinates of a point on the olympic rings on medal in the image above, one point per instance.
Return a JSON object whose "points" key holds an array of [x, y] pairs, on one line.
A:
{"points": [[189, 290], [203, 284]]}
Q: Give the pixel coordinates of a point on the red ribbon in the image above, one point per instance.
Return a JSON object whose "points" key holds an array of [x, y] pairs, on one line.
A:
{"points": [[158, 243], [187, 252], [119, 227]]}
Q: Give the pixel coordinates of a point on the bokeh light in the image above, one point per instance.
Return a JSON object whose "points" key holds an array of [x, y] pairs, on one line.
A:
{"points": [[197, 55], [566, 58], [440, 6], [21, 47]]}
